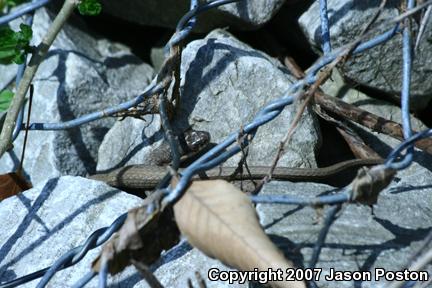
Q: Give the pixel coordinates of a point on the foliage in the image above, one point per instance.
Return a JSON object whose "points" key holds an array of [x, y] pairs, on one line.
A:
{"points": [[89, 7], [5, 99], [14, 45]]}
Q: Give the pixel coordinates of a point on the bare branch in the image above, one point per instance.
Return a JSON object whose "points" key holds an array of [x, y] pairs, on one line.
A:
{"points": [[29, 73]]}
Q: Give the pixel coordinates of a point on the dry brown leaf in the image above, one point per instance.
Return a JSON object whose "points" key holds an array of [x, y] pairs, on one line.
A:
{"points": [[220, 220], [145, 234], [11, 184]]}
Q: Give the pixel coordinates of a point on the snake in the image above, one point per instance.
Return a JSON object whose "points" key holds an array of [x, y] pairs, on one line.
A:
{"points": [[147, 177]]}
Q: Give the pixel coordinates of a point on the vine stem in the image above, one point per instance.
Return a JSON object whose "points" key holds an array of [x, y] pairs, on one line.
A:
{"points": [[29, 73]]}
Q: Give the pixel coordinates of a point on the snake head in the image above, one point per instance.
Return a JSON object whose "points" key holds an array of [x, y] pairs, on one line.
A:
{"points": [[196, 140]]}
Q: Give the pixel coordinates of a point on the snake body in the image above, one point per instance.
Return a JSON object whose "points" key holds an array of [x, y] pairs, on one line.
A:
{"points": [[147, 177]]}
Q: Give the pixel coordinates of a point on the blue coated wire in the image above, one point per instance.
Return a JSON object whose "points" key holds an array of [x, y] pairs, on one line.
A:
{"points": [[151, 90], [199, 9], [216, 155], [76, 254], [103, 275], [206, 162], [325, 27], [405, 93], [265, 115], [310, 78], [339, 197], [85, 280], [187, 22], [182, 34], [294, 200], [405, 145], [328, 58], [22, 10]]}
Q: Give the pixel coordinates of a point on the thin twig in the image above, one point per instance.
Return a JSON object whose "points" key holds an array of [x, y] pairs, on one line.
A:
{"points": [[20, 167], [294, 68], [422, 28], [243, 161], [200, 280], [393, 21], [151, 279], [29, 73], [418, 265], [409, 13], [356, 144], [294, 125], [354, 141], [169, 73], [365, 30], [367, 119]]}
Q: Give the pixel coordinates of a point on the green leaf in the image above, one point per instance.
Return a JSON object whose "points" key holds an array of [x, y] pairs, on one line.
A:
{"points": [[5, 99], [14, 45], [26, 32], [89, 7]]}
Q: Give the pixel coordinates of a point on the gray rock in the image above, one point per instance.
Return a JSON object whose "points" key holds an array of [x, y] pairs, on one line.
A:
{"points": [[133, 141], [166, 13], [157, 57], [180, 264], [8, 73], [43, 223], [80, 74], [357, 240], [381, 67], [225, 83]]}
